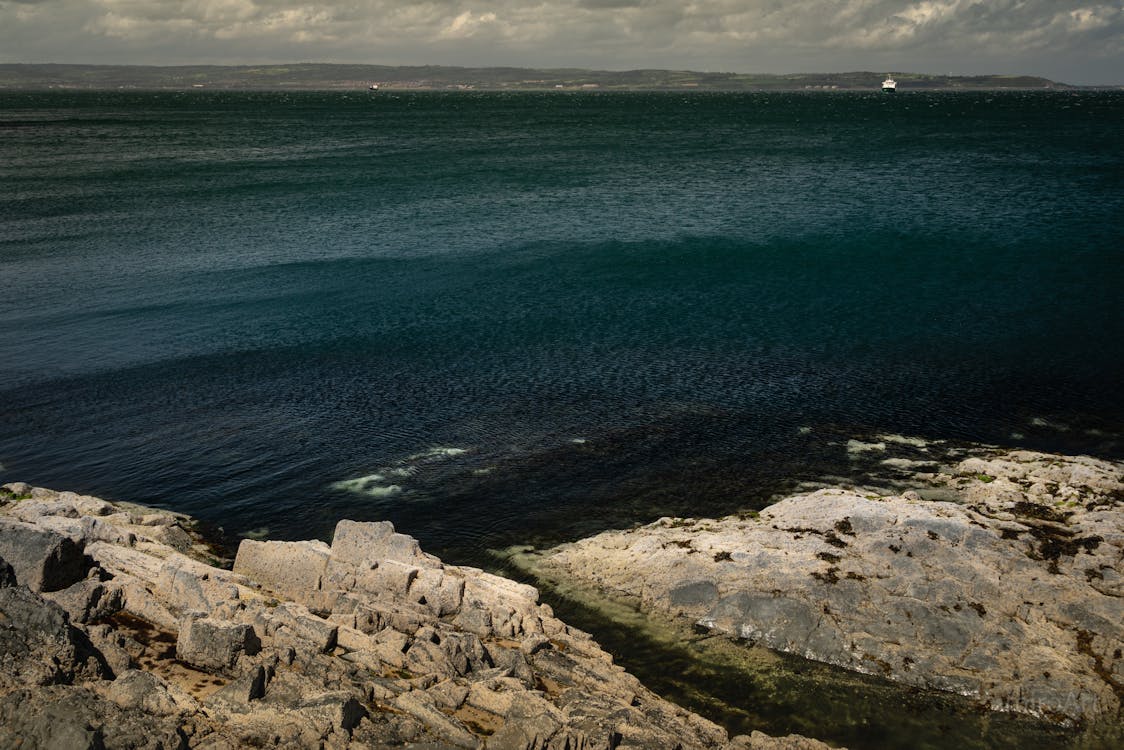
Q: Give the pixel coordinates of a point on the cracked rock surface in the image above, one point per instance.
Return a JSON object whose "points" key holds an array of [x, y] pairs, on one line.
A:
{"points": [[1009, 590], [118, 629]]}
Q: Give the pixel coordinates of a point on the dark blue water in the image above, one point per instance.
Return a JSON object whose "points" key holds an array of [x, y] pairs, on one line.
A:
{"points": [[231, 303], [497, 318]]}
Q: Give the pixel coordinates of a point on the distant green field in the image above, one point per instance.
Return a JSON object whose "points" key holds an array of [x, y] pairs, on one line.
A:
{"points": [[324, 76]]}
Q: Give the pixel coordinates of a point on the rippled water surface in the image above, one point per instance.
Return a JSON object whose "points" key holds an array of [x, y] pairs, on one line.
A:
{"points": [[492, 318]]}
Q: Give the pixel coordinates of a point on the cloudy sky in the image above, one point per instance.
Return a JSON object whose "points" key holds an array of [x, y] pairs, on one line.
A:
{"points": [[1078, 41]]}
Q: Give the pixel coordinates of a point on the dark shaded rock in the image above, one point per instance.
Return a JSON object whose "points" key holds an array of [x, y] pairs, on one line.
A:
{"points": [[7, 574], [67, 718], [42, 560], [36, 641], [88, 600]]}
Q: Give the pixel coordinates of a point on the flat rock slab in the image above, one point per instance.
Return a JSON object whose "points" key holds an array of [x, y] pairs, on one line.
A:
{"points": [[1011, 595]]}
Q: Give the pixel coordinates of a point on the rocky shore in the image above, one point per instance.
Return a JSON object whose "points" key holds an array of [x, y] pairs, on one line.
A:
{"points": [[998, 577], [120, 629]]}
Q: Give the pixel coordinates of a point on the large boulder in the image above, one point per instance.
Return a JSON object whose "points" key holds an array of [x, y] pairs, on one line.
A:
{"points": [[42, 560], [38, 646], [363, 543], [292, 569], [215, 645]]}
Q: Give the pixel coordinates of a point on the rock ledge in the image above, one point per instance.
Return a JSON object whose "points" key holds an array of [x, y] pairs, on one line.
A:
{"points": [[119, 631], [1011, 592]]}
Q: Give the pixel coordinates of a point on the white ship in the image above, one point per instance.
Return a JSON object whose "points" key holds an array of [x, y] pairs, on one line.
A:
{"points": [[373, 87], [889, 85]]}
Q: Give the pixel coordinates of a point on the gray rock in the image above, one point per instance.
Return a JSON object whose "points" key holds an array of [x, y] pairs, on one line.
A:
{"points": [[363, 543], [71, 718], [149, 694], [189, 586], [529, 721], [42, 560], [293, 625], [37, 644], [448, 729], [238, 694], [17, 489], [977, 597], [369, 643], [337, 710], [438, 590], [88, 600], [289, 568], [215, 644]]}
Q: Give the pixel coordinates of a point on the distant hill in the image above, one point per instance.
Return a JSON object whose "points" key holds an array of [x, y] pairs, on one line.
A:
{"points": [[315, 76]]}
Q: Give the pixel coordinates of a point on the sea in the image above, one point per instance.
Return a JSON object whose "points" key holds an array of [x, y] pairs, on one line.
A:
{"points": [[521, 318]]}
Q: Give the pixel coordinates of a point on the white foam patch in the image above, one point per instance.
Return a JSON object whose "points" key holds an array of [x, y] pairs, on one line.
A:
{"points": [[905, 463], [578, 441], [858, 446], [382, 483], [439, 452], [1040, 422], [371, 485], [387, 491], [916, 442], [804, 431]]}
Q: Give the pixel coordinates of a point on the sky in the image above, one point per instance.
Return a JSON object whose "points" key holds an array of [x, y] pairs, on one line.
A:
{"points": [[1077, 41]]}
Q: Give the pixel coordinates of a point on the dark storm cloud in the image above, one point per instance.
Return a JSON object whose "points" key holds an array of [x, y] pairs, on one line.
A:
{"points": [[1072, 40]]}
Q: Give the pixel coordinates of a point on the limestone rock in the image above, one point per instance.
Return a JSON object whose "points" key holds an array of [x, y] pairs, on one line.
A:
{"points": [[287, 568], [88, 600], [42, 560], [367, 643], [1011, 595], [362, 543], [37, 644], [73, 718], [149, 694], [215, 644]]}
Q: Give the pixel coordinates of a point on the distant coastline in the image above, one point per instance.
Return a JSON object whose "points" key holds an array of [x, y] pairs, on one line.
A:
{"points": [[320, 77]]}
